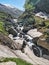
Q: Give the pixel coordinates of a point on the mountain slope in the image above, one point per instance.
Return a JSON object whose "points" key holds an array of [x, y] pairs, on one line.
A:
{"points": [[43, 5], [40, 5], [13, 11]]}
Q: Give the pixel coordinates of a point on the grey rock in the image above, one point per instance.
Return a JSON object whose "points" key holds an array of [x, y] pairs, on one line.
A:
{"points": [[8, 63]]}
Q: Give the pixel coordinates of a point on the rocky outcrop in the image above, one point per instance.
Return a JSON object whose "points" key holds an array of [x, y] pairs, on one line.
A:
{"points": [[35, 60], [6, 52], [28, 56], [5, 40], [12, 31], [43, 43], [34, 33]]}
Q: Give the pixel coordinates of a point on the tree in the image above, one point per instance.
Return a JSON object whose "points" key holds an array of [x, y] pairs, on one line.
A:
{"points": [[27, 17], [29, 5], [40, 5]]}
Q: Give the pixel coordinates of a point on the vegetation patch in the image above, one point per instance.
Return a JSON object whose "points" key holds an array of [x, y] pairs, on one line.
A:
{"points": [[2, 29], [18, 61]]}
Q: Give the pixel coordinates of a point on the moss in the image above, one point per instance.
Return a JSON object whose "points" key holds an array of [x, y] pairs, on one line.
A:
{"points": [[18, 61]]}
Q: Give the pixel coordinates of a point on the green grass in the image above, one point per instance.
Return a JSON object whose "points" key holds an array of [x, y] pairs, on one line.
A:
{"points": [[18, 61], [47, 22], [2, 29], [1, 26], [38, 19]]}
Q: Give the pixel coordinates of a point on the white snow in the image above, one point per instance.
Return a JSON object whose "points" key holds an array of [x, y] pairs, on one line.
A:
{"points": [[8, 5]]}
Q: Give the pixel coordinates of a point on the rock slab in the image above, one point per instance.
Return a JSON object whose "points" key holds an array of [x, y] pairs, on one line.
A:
{"points": [[8, 63]]}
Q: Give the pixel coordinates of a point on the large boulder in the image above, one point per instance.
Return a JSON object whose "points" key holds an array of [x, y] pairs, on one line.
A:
{"points": [[12, 31], [34, 33], [6, 52], [5, 40]]}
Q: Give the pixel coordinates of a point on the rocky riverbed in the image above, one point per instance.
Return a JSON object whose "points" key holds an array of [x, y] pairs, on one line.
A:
{"points": [[12, 47]]}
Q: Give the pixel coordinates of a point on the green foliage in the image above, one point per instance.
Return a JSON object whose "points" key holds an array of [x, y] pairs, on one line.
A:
{"points": [[27, 18], [39, 20], [39, 5], [1, 26], [18, 61], [47, 32], [3, 22], [2, 29], [4, 15], [29, 6], [43, 5]]}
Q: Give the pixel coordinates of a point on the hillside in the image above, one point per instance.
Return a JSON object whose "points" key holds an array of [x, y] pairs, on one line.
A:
{"points": [[40, 5], [7, 14], [43, 5], [5, 21]]}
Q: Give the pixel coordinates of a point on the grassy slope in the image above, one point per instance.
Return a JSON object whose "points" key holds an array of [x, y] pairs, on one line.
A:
{"points": [[4, 16], [16, 60], [38, 20], [43, 29], [2, 29]]}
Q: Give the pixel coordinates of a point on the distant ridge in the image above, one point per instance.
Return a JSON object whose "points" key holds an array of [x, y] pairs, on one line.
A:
{"points": [[13, 11]]}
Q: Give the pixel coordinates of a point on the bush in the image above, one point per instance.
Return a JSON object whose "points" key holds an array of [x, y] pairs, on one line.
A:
{"points": [[47, 39], [48, 26], [42, 24]]}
